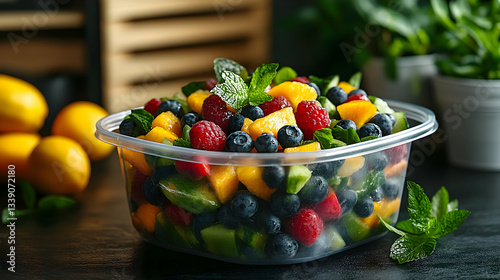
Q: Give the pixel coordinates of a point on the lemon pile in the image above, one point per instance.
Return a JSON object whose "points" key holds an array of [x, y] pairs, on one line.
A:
{"points": [[56, 164]]}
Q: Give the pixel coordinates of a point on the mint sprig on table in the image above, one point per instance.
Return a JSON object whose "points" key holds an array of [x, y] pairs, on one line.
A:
{"points": [[237, 94], [428, 221]]}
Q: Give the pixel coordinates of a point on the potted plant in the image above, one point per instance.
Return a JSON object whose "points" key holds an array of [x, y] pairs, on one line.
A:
{"points": [[468, 87], [400, 65]]}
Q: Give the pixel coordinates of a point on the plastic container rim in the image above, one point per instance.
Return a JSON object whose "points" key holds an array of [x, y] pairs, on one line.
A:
{"points": [[424, 116]]}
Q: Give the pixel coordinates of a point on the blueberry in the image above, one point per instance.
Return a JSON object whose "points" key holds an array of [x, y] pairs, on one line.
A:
{"points": [[376, 161], [391, 188], [274, 176], [239, 141], [235, 123], [152, 193], [315, 86], [364, 207], [326, 169], [346, 123], [162, 172], [266, 143], [290, 136], [190, 119], [202, 221], [284, 204], [226, 218], [171, 105], [268, 221], [244, 204], [369, 129], [281, 246], [252, 112], [127, 127], [347, 199], [314, 191], [357, 91], [384, 123], [336, 95], [377, 194], [393, 119]]}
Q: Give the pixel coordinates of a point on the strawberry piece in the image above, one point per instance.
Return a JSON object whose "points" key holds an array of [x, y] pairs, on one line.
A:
{"points": [[310, 117], [357, 96], [136, 187], [214, 109], [396, 154], [152, 106], [306, 226], [206, 135], [275, 104], [210, 84], [192, 170], [178, 216], [329, 208], [300, 79]]}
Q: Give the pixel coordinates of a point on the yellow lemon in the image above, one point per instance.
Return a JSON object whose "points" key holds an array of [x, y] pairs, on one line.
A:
{"points": [[15, 148], [77, 121], [24, 108], [59, 165]]}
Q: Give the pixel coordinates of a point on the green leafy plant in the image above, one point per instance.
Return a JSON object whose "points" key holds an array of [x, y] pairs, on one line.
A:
{"points": [[473, 38], [428, 221], [405, 29]]}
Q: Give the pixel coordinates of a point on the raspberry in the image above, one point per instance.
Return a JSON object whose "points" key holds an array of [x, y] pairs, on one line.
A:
{"points": [[310, 117], [178, 216], [210, 84], [206, 135], [306, 226], [137, 182], [192, 170], [152, 106], [396, 154], [329, 208], [275, 104], [300, 79], [215, 110]]}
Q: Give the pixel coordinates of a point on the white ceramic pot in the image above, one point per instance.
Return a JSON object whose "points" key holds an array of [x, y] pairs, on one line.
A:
{"points": [[470, 112], [413, 84]]}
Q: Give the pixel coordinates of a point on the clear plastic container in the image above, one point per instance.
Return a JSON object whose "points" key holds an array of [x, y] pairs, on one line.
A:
{"points": [[192, 213]]}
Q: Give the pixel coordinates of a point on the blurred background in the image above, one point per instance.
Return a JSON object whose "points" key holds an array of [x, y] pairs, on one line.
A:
{"points": [[122, 53]]}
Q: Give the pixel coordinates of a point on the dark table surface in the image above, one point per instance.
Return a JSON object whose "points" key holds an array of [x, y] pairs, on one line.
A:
{"points": [[97, 241]]}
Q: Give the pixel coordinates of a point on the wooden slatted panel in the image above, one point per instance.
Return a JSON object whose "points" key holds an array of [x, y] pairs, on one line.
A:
{"points": [[133, 68], [134, 36], [124, 10], [38, 20]]}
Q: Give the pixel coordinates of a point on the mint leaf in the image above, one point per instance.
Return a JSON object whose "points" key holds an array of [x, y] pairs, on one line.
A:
{"points": [[372, 180], [407, 226], [367, 138], [7, 214], [337, 143], [439, 203], [390, 227], [453, 205], [261, 78], [450, 222], [419, 207], [348, 136], [143, 121], [192, 87], [355, 80], [29, 194], [324, 137], [285, 74], [56, 202], [409, 248], [180, 142], [233, 91], [223, 64]]}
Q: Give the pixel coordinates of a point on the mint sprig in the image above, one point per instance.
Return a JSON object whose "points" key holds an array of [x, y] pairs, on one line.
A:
{"points": [[237, 94], [224, 64], [428, 221]]}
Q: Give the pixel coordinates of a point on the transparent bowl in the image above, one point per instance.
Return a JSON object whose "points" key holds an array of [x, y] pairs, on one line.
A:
{"points": [[193, 214]]}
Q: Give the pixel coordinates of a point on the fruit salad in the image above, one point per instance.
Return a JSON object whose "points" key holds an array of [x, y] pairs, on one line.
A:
{"points": [[269, 212]]}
